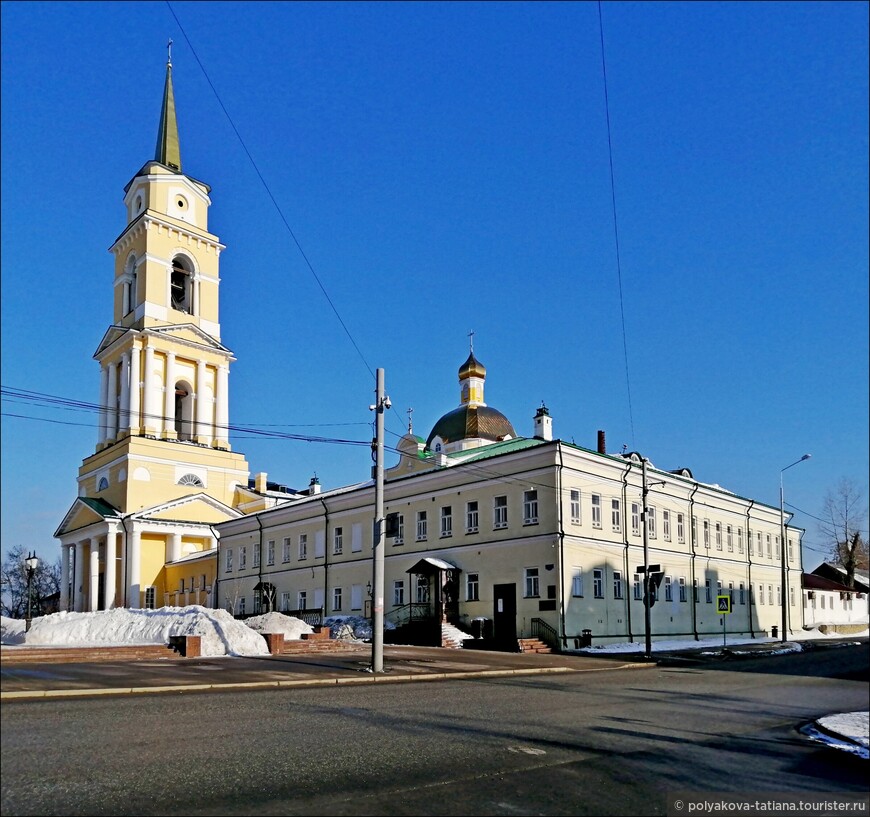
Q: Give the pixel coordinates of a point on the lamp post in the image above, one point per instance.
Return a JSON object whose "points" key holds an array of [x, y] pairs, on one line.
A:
{"points": [[783, 547], [30, 564]]}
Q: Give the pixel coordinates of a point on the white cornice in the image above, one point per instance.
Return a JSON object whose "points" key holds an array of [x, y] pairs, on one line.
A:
{"points": [[149, 219]]}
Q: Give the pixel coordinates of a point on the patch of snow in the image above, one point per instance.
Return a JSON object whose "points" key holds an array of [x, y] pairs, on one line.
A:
{"points": [[274, 622]]}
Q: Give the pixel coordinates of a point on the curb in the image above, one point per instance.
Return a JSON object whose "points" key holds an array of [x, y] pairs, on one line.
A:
{"points": [[32, 695]]}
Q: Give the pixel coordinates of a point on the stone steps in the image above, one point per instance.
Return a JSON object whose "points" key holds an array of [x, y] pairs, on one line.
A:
{"points": [[533, 645]]}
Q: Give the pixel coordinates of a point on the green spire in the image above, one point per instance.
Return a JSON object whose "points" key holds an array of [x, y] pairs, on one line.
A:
{"points": [[168, 150]]}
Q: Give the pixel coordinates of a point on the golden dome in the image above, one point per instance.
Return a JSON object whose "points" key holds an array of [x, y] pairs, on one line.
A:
{"points": [[472, 368]]}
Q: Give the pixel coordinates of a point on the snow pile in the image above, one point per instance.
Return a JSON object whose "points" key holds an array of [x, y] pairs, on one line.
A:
{"points": [[11, 630], [221, 634], [293, 628]]}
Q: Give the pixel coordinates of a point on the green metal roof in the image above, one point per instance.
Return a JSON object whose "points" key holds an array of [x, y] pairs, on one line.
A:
{"points": [[168, 151], [102, 507]]}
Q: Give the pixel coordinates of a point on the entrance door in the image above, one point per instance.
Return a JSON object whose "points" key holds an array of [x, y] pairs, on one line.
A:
{"points": [[504, 614]]}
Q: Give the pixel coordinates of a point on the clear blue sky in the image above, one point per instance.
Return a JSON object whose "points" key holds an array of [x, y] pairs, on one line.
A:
{"points": [[444, 167]]}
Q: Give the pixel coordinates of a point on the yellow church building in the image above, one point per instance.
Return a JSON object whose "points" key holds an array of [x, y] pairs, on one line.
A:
{"points": [[139, 533]]}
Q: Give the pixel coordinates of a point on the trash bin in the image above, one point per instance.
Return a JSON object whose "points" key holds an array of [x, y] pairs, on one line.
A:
{"points": [[774, 631], [585, 638], [487, 628], [477, 627]]}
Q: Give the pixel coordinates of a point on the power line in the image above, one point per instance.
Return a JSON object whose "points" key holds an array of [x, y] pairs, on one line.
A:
{"points": [[615, 222]]}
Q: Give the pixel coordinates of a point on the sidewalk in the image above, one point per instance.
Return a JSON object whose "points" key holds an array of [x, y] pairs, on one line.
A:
{"points": [[401, 663]]}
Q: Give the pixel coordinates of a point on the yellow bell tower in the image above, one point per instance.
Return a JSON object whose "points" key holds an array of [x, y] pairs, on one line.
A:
{"points": [[162, 471]]}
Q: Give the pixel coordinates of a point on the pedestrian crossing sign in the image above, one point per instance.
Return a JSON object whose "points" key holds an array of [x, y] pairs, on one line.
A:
{"points": [[723, 604]]}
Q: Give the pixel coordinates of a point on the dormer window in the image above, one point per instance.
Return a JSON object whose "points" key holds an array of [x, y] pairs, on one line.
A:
{"points": [[181, 285]]}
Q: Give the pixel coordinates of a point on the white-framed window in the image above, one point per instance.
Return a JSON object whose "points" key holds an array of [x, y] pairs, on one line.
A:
{"points": [[242, 606], [718, 532], [150, 598], [615, 515], [596, 510], [666, 525], [694, 529], [760, 550], [681, 529], [530, 507], [684, 595], [255, 552], [577, 583], [598, 583], [399, 538], [761, 594], [695, 591], [708, 591], [336, 598], [740, 540], [707, 534], [243, 557], [337, 541], [637, 586], [575, 506], [669, 589], [822, 597], [301, 600], [303, 548], [446, 521], [285, 601], [790, 550], [422, 525], [769, 553], [617, 584], [500, 512], [651, 522], [270, 552], [779, 597], [285, 550], [741, 593], [472, 517], [731, 592], [532, 584], [777, 553], [398, 593], [472, 587], [635, 518], [356, 536], [422, 590], [228, 560], [729, 539]]}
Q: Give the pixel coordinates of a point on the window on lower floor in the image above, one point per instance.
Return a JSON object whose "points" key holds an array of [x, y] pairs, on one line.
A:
{"points": [[617, 584], [577, 583], [532, 584], [150, 598], [398, 593], [336, 598], [598, 583], [472, 587]]}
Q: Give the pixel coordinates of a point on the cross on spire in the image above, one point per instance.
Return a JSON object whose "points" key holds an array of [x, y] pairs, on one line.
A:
{"points": [[410, 428], [471, 341], [169, 52]]}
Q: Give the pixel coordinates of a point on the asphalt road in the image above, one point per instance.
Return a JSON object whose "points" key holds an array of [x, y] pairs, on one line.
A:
{"points": [[614, 742]]}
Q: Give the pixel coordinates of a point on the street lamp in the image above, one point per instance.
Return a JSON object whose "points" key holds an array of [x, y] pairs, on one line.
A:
{"points": [[30, 564], [783, 548]]}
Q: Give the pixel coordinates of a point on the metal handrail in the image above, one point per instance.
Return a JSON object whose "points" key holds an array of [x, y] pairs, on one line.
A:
{"points": [[547, 634]]}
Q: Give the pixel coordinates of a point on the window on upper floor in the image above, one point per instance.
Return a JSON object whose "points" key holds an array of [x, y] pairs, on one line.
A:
{"points": [[472, 517], [666, 525], [530, 507], [635, 518], [446, 521], [181, 285], [422, 525], [596, 510], [615, 515], [575, 506], [500, 512]]}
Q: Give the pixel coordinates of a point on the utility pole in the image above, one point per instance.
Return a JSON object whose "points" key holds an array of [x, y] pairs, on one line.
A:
{"points": [[381, 404], [647, 619]]}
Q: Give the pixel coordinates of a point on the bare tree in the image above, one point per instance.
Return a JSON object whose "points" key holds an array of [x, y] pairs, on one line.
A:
{"points": [[844, 512], [45, 583]]}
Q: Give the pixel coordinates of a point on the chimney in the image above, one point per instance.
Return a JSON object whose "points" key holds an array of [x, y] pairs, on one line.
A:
{"points": [[314, 486], [543, 424], [260, 483], [602, 448]]}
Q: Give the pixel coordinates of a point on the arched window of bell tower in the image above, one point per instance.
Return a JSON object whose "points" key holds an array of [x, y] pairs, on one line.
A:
{"points": [[130, 285], [183, 411], [181, 284]]}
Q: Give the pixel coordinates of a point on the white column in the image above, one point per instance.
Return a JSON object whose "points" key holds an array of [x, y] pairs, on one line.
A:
{"points": [[103, 432], [110, 568], [134, 566], [173, 551], [79, 578], [94, 578], [153, 424], [64, 577], [134, 391], [169, 398], [201, 432], [222, 413], [124, 419], [122, 572], [112, 403]]}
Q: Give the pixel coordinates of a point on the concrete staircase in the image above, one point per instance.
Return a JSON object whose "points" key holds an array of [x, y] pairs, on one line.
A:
{"points": [[533, 645], [452, 637]]}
